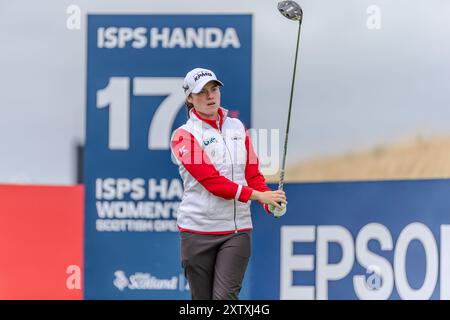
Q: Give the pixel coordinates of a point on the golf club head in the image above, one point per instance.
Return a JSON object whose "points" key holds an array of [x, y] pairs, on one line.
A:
{"points": [[291, 10]]}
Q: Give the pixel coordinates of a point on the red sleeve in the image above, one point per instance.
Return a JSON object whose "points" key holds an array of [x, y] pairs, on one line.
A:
{"points": [[197, 163], [253, 176]]}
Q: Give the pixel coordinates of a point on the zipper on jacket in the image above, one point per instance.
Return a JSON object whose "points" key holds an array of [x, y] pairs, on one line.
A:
{"points": [[232, 179]]}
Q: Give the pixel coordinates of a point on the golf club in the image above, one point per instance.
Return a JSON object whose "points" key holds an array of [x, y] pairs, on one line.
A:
{"points": [[292, 11]]}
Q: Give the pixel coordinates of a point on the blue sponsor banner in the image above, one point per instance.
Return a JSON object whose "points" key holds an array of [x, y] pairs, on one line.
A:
{"points": [[355, 240], [136, 66]]}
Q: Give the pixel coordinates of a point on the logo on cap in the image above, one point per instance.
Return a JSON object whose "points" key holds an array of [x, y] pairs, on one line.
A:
{"points": [[202, 74]]}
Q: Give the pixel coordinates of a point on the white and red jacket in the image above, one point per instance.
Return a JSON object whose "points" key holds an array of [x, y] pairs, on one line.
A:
{"points": [[219, 169]]}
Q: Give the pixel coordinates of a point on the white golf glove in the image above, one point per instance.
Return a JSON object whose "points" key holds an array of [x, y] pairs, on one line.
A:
{"points": [[278, 213]]}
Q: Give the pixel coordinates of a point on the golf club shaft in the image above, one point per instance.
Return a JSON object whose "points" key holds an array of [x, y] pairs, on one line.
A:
{"points": [[283, 163]]}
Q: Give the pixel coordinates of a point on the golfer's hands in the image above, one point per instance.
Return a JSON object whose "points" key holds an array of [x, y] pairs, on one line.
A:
{"points": [[278, 212], [275, 199]]}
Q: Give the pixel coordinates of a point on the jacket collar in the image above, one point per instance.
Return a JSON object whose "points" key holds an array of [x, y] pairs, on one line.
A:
{"points": [[217, 124]]}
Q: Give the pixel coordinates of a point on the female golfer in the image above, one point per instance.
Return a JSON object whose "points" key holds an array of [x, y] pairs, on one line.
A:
{"points": [[220, 175]]}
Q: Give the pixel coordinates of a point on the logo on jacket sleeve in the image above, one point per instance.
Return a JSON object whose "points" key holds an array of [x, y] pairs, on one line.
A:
{"points": [[182, 151]]}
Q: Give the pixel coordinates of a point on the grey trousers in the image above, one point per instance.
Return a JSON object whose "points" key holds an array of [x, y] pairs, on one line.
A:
{"points": [[214, 265]]}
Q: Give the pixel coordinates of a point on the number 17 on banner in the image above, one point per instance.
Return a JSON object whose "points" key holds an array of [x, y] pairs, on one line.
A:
{"points": [[116, 96]]}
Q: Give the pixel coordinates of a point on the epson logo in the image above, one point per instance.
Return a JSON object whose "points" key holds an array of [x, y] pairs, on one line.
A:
{"points": [[384, 274], [167, 38], [202, 74]]}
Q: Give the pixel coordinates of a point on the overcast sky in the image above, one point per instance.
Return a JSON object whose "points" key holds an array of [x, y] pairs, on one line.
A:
{"points": [[356, 87]]}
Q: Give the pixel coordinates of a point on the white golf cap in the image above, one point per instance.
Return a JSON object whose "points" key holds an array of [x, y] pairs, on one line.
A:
{"points": [[196, 79]]}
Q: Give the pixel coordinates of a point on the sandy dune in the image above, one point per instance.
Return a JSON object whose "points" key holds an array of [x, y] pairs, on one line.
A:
{"points": [[417, 158]]}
